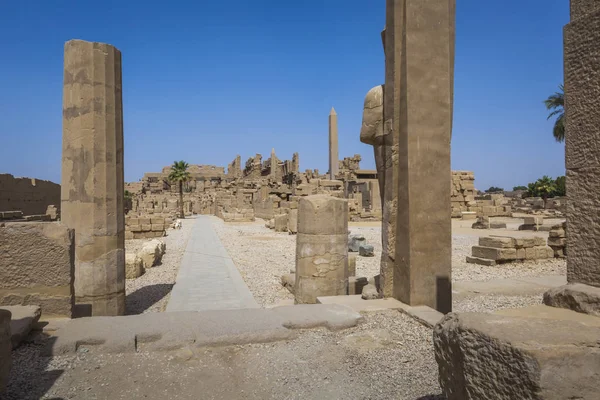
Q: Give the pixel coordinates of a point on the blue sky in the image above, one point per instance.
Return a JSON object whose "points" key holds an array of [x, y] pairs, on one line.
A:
{"points": [[205, 80]]}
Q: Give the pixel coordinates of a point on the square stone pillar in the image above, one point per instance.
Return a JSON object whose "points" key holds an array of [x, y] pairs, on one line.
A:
{"points": [[418, 97], [582, 159], [92, 187]]}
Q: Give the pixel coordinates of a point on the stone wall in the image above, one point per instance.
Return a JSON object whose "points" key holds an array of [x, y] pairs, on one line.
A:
{"points": [[37, 266], [140, 228], [29, 195], [463, 192]]}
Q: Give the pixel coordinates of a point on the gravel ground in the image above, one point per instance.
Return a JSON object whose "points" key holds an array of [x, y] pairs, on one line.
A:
{"points": [[263, 256], [389, 356], [151, 291]]}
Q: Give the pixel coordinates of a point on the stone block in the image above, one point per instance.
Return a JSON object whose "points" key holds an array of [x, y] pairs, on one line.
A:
{"points": [[558, 233], [128, 235], [536, 220], [366, 250], [575, 296], [355, 241], [356, 285], [521, 254], [146, 227], [558, 242], [293, 221], [486, 356], [480, 261], [321, 215], [281, 223], [132, 221], [144, 221], [497, 242], [157, 227], [468, 215], [525, 242], [37, 266], [370, 292], [135, 228], [134, 266], [495, 254], [22, 322], [157, 221]]}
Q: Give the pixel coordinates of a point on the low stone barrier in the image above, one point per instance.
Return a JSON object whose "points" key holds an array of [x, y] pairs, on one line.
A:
{"points": [[141, 228], [494, 250]]}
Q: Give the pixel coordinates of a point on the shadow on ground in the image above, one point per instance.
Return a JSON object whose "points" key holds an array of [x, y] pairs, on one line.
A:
{"points": [[29, 377], [145, 297]]}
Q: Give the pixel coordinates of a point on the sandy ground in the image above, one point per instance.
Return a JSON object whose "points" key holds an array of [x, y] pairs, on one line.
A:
{"points": [[263, 256]]}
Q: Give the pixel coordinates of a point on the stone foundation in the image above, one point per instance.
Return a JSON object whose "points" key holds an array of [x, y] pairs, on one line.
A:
{"points": [[502, 249]]}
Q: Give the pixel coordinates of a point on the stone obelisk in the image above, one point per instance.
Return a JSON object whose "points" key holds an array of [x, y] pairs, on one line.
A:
{"points": [[418, 98], [92, 187], [333, 144]]}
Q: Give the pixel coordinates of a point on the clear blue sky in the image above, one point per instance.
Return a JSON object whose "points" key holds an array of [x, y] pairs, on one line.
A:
{"points": [[206, 80]]}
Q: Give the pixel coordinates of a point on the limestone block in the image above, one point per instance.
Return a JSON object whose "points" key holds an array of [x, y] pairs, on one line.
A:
{"points": [[144, 221], [526, 242], [132, 221], [36, 266], [134, 266], [355, 241], [22, 321], [366, 250], [151, 253], [129, 235], [5, 348], [146, 227], [557, 233], [497, 242], [486, 356], [536, 220], [356, 285], [480, 261], [575, 296], [494, 254], [322, 215], [281, 223], [135, 228], [468, 215], [352, 265], [157, 227], [157, 221], [293, 221]]}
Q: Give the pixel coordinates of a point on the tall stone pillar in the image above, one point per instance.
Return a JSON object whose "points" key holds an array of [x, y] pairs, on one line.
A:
{"points": [[92, 187], [582, 159], [321, 248], [417, 110], [334, 158]]}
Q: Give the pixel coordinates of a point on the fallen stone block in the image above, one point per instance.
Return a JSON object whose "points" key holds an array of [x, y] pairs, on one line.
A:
{"points": [[355, 241], [151, 253], [134, 266], [356, 285], [22, 320], [495, 254], [575, 296], [369, 292], [480, 261], [486, 356], [366, 250]]}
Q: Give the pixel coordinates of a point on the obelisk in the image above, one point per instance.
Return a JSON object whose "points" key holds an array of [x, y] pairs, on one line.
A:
{"points": [[92, 187], [333, 145]]}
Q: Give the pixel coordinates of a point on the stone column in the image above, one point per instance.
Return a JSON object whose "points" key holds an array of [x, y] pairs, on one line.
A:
{"points": [[582, 159], [321, 248], [92, 187], [334, 158], [418, 96]]}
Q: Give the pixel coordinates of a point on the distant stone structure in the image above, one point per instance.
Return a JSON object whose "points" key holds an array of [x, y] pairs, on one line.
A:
{"points": [[321, 248], [29, 195], [92, 175]]}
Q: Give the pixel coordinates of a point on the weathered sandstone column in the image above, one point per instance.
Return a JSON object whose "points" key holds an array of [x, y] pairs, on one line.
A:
{"points": [[92, 187], [333, 145], [582, 159], [418, 96], [321, 248]]}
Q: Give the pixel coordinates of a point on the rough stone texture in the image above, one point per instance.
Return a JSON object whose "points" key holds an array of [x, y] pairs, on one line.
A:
{"points": [[92, 187], [321, 248], [582, 119], [29, 195], [37, 266], [293, 221], [369, 292], [5, 348], [333, 145], [355, 241], [485, 356], [575, 296]]}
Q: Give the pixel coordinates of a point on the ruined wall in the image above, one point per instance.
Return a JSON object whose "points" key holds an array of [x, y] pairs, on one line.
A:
{"points": [[463, 192], [29, 195], [37, 266]]}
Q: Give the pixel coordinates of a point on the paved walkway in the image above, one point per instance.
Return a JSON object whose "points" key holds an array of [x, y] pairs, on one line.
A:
{"points": [[208, 279]]}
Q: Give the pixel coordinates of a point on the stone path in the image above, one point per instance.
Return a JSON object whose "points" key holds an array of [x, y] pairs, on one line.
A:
{"points": [[208, 279]]}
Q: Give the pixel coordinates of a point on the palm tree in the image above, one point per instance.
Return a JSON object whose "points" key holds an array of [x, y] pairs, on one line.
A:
{"points": [[556, 103], [180, 174]]}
